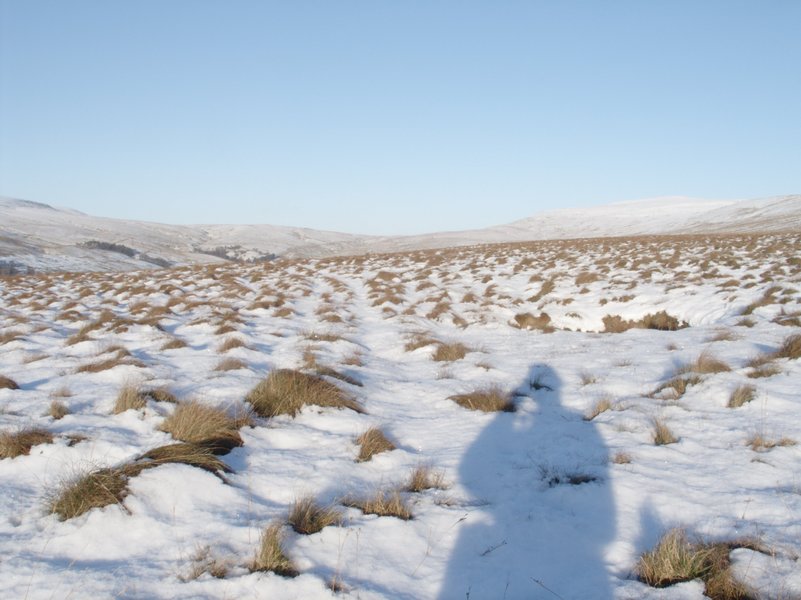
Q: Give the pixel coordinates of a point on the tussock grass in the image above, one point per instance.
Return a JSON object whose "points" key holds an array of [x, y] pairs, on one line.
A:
{"points": [[675, 559], [161, 395], [19, 443], [420, 340], [58, 410], [741, 395], [286, 391], [230, 364], [203, 561], [706, 364], [661, 321], [758, 442], [764, 370], [372, 442], [587, 378], [790, 348], [601, 406], [530, 322], [449, 352], [230, 343], [271, 555], [383, 503], [547, 287], [329, 372], [490, 399], [93, 490], [6, 383], [130, 397], [621, 458], [194, 455], [422, 478], [306, 516], [204, 425], [173, 344], [662, 434], [678, 385]]}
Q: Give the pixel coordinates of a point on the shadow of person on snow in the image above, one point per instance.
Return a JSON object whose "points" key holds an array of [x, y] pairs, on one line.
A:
{"points": [[541, 511]]}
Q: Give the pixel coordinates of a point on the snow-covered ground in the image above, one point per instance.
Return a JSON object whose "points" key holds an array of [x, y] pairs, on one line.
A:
{"points": [[543, 502], [43, 238]]}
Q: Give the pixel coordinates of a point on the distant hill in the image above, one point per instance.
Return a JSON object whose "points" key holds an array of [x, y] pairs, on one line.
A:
{"points": [[43, 238]]}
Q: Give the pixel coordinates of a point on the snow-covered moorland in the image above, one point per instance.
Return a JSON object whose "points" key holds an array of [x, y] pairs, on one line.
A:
{"points": [[194, 433]]}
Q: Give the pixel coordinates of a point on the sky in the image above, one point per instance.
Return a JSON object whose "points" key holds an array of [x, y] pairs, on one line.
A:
{"points": [[394, 117]]}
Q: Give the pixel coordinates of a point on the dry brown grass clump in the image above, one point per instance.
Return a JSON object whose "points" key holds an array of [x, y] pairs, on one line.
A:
{"points": [[761, 443], [491, 399], [529, 322], [130, 397], [676, 559], [424, 478], [194, 455], [204, 562], [161, 395], [661, 321], [450, 352], [173, 344], [599, 407], [19, 443], [741, 395], [58, 410], [270, 555], [7, 383], [706, 363], [204, 425], [662, 434], [286, 391], [383, 504], [92, 490], [677, 385], [230, 343], [307, 516], [230, 364], [790, 348], [372, 442], [420, 340], [621, 458]]}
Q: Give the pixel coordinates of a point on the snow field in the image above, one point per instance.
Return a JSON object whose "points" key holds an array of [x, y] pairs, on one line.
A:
{"points": [[540, 501]]}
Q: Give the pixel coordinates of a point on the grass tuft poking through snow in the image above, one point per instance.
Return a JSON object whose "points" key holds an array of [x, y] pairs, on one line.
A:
{"points": [[790, 348], [183, 453], [491, 399], [19, 443], [383, 503], [129, 397], [286, 391], [450, 352], [424, 478], [741, 395], [205, 425], [271, 555], [58, 410], [662, 434], [306, 516], [676, 559], [372, 442], [92, 490], [6, 383], [601, 406]]}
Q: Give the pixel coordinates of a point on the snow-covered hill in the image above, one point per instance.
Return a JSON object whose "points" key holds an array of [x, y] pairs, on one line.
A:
{"points": [[43, 238]]}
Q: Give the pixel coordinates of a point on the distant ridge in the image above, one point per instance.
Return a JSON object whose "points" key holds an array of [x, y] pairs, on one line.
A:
{"points": [[37, 236]]}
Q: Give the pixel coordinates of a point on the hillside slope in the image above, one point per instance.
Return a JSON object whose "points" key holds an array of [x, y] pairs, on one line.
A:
{"points": [[40, 237]]}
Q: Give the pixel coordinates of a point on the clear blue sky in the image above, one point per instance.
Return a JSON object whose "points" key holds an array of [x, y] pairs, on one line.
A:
{"points": [[402, 116]]}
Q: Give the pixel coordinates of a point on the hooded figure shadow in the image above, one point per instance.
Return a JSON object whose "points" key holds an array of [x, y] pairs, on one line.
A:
{"points": [[540, 510]]}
